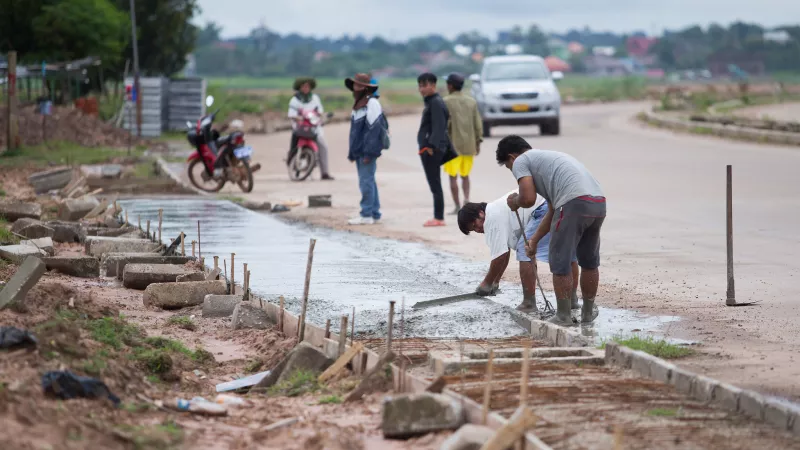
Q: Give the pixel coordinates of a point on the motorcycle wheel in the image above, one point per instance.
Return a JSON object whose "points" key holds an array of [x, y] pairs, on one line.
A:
{"points": [[201, 180], [302, 164], [245, 181]]}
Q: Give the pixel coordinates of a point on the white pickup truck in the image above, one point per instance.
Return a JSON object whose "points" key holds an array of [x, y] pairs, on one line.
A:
{"points": [[517, 90]]}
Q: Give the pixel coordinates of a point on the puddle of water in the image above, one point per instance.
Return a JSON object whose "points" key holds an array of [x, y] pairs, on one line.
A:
{"points": [[355, 270]]}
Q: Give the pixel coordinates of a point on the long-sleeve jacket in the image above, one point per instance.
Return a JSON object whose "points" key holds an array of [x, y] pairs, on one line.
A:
{"points": [[366, 131], [296, 104], [465, 127], [433, 128]]}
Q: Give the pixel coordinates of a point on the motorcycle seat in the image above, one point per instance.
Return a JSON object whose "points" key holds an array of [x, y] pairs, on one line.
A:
{"points": [[223, 140]]}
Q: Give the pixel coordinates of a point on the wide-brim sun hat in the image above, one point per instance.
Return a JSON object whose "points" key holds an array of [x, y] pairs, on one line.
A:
{"points": [[361, 79], [299, 82]]}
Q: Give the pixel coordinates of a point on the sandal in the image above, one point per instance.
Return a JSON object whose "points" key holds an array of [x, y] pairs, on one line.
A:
{"points": [[434, 223]]}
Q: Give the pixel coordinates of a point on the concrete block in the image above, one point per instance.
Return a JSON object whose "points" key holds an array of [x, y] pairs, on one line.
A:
{"points": [[682, 380], [26, 276], [561, 337], [66, 231], [574, 339], [726, 396], [36, 231], [76, 266], [18, 253], [411, 415], [50, 180], [245, 315], [661, 370], [794, 419], [76, 208], [468, 437], [751, 404], [194, 276], [641, 363], [319, 201], [778, 414], [220, 305], [610, 349], [624, 356], [539, 329], [97, 245], [552, 333], [139, 276], [703, 388], [115, 263], [109, 232], [303, 357], [44, 243], [14, 211], [181, 295]]}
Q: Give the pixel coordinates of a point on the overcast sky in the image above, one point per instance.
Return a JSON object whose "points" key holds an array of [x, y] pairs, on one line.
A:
{"points": [[400, 19]]}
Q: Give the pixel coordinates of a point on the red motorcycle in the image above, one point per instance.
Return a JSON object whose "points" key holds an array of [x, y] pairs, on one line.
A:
{"points": [[302, 157], [218, 159]]}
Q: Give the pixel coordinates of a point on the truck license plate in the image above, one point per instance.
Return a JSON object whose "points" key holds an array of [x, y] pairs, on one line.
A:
{"points": [[519, 108]]}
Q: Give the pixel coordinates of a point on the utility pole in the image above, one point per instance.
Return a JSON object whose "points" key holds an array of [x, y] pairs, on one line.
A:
{"points": [[137, 92]]}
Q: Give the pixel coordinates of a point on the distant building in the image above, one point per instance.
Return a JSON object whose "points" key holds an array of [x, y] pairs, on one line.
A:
{"points": [[554, 63], [604, 51], [513, 49], [720, 63], [778, 36], [462, 50], [227, 45], [604, 65], [639, 45], [576, 48], [321, 56]]}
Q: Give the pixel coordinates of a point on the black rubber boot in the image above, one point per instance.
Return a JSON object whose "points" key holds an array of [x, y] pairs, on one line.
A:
{"points": [[575, 304], [528, 305], [563, 316], [589, 311]]}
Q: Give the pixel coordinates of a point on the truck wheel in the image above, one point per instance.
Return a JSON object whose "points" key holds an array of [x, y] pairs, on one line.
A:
{"points": [[487, 129], [552, 128]]}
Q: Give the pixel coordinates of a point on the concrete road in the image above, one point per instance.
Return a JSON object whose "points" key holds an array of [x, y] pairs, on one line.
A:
{"points": [[663, 241], [785, 112]]}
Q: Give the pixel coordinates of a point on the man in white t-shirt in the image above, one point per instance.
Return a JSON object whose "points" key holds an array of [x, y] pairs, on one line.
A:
{"points": [[503, 232]]}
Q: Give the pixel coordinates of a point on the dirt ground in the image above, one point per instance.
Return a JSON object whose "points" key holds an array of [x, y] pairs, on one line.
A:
{"points": [[664, 241], [71, 316]]}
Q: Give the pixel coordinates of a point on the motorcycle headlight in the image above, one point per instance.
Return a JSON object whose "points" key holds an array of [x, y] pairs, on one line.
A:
{"points": [[314, 121]]}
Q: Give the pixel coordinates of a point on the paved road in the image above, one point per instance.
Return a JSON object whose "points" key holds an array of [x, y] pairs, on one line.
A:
{"points": [[786, 112], [664, 239]]}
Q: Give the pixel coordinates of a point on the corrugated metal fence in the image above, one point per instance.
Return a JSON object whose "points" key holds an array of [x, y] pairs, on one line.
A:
{"points": [[167, 104]]}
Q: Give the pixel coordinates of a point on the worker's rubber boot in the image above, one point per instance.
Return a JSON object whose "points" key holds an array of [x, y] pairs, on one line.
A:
{"points": [[575, 304], [589, 311], [563, 315], [528, 305]]}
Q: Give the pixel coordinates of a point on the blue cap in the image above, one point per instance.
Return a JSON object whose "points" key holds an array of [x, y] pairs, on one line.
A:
{"points": [[374, 81]]}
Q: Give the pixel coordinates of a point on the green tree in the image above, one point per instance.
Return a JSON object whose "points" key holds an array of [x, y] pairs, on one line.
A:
{"points": [[165, 34], [536, 42], [73, 29], [209, 34]]}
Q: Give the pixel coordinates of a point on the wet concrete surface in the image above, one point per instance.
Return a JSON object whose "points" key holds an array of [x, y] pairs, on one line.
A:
{"points": [[355, 270]]}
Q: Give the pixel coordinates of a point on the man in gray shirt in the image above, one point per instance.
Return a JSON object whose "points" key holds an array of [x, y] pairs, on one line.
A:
{"points": [[577, 209]]}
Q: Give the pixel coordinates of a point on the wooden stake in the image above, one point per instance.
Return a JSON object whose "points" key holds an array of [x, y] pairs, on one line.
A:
{"points": [[233, 273], [731, 292], [487, 389], [140, 223], [342, 336], [160, 219], [391, 325], [521, 421], [328, 328], [126, 218], [199, 250], [216, 262], [225, 267], [248, 287], [306, 286], [353, 327], [340, 363], [148, 229], [280, 316], [369, 377], [617, 437], [523, 384], [183, 246], [193, 245]]}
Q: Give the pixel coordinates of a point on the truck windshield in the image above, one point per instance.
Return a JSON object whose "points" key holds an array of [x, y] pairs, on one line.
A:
{"points": [[520, 70]]}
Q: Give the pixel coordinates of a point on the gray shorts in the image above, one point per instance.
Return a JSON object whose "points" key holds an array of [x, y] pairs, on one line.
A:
{"points": [[575, 232]]}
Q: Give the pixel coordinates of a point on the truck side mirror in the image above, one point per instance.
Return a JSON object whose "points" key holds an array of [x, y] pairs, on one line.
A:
{"points": [[475, 78]]}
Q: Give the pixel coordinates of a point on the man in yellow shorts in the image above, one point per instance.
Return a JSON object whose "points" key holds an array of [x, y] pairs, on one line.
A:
{"points": [[465, 130]]}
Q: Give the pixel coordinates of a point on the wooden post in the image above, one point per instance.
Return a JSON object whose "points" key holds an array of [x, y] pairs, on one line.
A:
{"points": [[183, 246], [244, 281], [199, 249], [280, 314], [216, 262], [126, 218], [731, 293], [225, 267], [342, 336], [140, 223], [391, 325], [12, 130], [160, 220], [248, 288], [193, 245], [328, 329], [353, 327], [233, 274], [148, 229], [487, 389], [523, 384], [302, 331], [203, 263]]}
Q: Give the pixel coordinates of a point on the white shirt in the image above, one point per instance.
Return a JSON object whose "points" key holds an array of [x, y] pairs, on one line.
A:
{"points": [[501, 226], [295, 105]]}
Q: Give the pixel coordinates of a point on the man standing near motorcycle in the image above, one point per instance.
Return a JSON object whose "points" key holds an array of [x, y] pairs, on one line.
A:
{"points": [[368, 128], [304, 99]]}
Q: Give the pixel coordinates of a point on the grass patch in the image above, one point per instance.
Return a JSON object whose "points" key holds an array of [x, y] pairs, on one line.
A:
{"points": [[662, 412], [6, 236], [156, 361], [2, 192], [330, 400], [114, 332], [301, 382], [94, 366], [656, 347], [62, 153], [145, 169], [254, 366], [701, 130], [199, 354], [164, 436], [183, 322], [232, 198]]}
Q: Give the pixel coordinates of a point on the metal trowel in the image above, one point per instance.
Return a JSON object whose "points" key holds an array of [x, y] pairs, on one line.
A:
{"points": [[447, 300]]}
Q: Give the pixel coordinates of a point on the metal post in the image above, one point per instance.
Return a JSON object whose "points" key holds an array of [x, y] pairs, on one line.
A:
{"points": [[731, 294], [136, 86], [12, 130]]}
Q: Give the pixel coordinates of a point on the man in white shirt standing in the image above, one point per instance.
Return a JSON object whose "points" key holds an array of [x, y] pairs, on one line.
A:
{"points": [[305, 100], [502, 229]]}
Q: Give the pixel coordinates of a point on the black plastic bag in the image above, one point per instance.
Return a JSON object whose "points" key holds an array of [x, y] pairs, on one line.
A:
{"points": [[66, 385], [12, 338]]}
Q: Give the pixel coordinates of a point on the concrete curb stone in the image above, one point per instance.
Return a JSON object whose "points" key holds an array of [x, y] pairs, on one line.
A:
{"points": [[682, 380], [727, 396], [661, 370], [641, 362], [751, 404], [703, 388], [777, 414]]}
